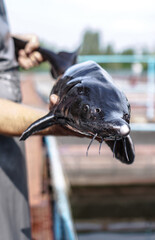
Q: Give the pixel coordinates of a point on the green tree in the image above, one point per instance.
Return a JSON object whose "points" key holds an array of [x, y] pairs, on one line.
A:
{"points": [[128, 51], [90, 44], [109, 50]]}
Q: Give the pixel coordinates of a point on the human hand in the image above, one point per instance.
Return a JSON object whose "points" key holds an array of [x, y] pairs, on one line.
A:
{"points": [[29, 56]]}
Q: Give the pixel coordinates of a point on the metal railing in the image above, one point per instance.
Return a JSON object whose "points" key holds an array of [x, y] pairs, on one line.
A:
{"points": [[63, 223], [148, 59]]}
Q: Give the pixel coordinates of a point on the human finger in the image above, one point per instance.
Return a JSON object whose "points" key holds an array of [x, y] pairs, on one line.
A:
{"points": [[22, 53], [25, 62], [54, 99], [38, 56], [32, 44]]}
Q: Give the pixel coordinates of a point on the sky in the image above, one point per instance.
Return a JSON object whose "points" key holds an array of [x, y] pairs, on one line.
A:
{"points": [[62, 23]]}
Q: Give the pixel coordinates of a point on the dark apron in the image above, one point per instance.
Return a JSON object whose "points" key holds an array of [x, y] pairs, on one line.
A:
{"points": [[14, 206]]}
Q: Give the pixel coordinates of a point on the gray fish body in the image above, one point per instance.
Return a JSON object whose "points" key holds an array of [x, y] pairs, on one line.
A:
{"points": [[91, 104]]}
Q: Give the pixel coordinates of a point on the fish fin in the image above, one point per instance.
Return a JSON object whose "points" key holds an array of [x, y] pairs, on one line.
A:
{"points": [[125, 153], [59, 61], [62, 62], [38, 125]]}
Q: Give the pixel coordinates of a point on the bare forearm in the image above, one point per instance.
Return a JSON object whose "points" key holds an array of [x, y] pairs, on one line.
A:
{"points": [[15, 118]]}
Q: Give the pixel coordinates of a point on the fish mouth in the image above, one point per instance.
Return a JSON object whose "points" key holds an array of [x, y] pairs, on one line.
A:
{"points": [[119, 142], [118, 139], [122, 147], [113, 137]]}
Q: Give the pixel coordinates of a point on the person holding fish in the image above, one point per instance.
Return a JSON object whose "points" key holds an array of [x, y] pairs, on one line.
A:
{"points": [[14, 119], [83, 102]]}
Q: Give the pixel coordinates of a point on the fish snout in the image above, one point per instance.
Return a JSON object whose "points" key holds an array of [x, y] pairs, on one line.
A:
{"points": [[122, 130], [119, 127]]}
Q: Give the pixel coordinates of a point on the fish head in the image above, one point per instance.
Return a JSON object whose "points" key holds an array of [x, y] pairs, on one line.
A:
{"points": [[100, 109], [94, 107]]}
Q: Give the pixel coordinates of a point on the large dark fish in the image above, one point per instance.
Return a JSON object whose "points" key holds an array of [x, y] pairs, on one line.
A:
{"points": [[90, 104]]}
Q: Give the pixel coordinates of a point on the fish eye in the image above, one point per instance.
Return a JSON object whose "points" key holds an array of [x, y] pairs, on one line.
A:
{"points": [[86, 108], [98, 110]]}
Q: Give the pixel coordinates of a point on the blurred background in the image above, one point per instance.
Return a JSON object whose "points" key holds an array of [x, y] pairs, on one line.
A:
{"points": [[108, 199], [63, 23]]}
